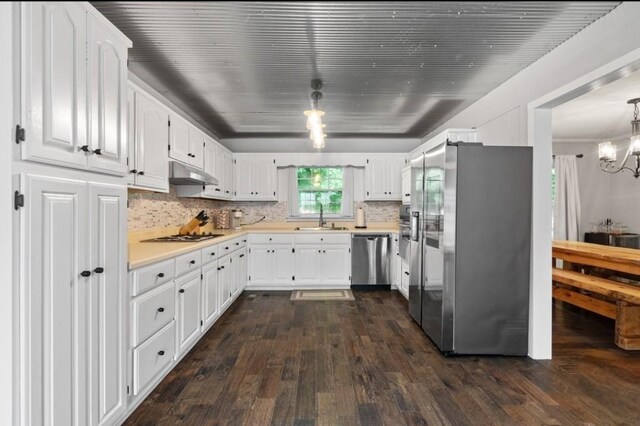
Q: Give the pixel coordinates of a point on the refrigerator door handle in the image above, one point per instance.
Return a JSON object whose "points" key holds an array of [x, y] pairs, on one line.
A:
{"points": [[415, 225]]}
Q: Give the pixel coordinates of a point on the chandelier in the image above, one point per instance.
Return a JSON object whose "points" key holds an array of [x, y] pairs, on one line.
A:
{"points": [[607, 150], [314, 116]]}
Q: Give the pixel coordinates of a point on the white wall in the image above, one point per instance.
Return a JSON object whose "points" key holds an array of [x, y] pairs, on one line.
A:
{"points": [[599, 44], [8, 368]]}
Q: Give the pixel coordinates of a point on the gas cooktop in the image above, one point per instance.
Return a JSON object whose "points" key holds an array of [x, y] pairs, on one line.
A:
{"points": [[191, 238]]}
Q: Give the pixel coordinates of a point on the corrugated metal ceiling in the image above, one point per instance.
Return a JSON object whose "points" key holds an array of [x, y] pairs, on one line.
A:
{"points": [[396, 69]]}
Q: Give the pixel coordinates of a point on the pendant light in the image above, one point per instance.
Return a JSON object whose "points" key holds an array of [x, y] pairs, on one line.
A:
{"points": [[607, 150], [314, 116]]}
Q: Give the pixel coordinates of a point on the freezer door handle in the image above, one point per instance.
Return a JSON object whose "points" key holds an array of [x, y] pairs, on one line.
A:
{"points": [[415, 224]]}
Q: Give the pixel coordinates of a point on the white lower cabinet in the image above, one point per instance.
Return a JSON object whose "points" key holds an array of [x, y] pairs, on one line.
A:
{"points": [[322, 259], [271, 265], [210, 294], [73, 320], [153, 357], [336, 265], [187, 311], [308, 260], [224, 281]]}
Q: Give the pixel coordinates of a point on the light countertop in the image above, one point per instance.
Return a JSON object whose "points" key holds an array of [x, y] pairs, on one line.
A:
{"points": [[143, 254]]}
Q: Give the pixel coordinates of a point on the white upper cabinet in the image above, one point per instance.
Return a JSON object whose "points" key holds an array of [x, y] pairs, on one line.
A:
{"points": [[54, 83], [73, 87], [383, 177], [406, 185], [196, 148], [256, 177], [108, 82], [151, 165], [210, 157], [179, 138]]}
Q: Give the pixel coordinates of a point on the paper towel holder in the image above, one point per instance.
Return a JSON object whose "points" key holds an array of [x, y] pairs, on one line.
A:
{"points": [[360, 219]]}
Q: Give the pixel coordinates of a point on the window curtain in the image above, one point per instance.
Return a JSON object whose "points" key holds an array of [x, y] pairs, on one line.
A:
{"points": [[566, 211]]}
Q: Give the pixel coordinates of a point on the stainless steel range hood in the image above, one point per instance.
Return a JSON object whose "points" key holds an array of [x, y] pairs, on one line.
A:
{"points": [[183, 174]]}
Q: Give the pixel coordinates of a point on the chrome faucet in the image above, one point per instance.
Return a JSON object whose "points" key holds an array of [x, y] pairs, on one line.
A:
{"points": [[321, 221]]}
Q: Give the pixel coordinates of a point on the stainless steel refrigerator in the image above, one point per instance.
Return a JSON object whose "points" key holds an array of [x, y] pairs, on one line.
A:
{"points": [[470, 247]]}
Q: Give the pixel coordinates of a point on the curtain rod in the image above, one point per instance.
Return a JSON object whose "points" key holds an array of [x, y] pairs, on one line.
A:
{"points": [[577, 156]]}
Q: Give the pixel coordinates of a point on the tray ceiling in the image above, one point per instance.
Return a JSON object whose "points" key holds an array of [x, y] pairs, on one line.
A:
{"points": [[391, 70]]}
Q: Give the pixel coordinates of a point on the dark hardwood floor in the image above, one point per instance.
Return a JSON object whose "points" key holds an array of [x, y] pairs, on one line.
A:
{"points": [[272, 361]]}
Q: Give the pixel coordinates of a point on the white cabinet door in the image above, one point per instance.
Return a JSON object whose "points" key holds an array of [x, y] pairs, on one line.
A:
{"points": [[107, 296], [394, 165], [406, 186], [108, 82], [224, 282], [336, 264], [220, 170], [54, 317], [179, 139], [236, 272], [210, 157], [188, 311], [152, 135], [210, 293], [244, 172], [131, 136], [282, 265], [264, 179], [307, 265], [196, 148], [375, 179], [228, 175], [54, 83], [260, 260], [244, 269]]}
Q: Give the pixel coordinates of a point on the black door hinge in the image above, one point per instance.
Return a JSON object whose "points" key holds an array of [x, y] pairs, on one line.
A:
{"points": [[293, 278], [204, 187], [293, 250], [169, 123], [18, 200], [367, 192], [349, 250], [169, 147], [249, 277], [128, 391], [201, 322], [234, 162], [274, 161], [367, 161], [201, 276], [20, 134]]}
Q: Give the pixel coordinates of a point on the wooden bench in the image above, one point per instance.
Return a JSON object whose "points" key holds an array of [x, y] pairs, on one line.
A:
{"points": [[612, 299]]}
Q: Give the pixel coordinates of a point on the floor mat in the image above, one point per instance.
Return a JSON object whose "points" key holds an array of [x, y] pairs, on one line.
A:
{"points": [[321, 295]]}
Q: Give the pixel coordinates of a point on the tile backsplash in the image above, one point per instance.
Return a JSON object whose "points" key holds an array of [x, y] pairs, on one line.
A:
{"points": [[149, 210]]}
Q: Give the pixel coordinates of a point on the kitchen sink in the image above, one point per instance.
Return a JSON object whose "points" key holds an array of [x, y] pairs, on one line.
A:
{"points": [[321, 228]]}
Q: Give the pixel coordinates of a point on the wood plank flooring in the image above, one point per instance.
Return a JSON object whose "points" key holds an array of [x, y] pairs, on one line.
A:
{"points": [[273, 361]]}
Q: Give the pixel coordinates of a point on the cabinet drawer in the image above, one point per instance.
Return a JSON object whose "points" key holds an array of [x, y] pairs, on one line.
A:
{"points": [[239, 243], [152, 276], [188, 262], [322, 239], [153, 356], [270, 239], [151, 312], [210, 253]]}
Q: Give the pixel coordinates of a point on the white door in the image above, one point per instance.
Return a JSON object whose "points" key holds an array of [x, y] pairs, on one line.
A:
{"points": [[53, 325], [188, 312], [244, 269], [394, 177], [54, 83], [375, 184], [260, 265], [307, 265], [196, 148], [210, 293], [282, 265], [179, 139], [336, 264], [107, 306], [236, 272], [131, 137], [228, 175], [224, 282], [244, 173], [152, 141], [108, 82], [210, 157], [220, 170], [406, 186], [264, 179]]}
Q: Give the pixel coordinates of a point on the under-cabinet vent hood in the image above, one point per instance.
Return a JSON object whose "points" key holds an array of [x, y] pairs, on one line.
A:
{"points": [[183, 174]]}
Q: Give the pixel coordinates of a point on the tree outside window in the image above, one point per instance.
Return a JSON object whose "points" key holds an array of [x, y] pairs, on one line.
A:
{"points": [[320, 186]]}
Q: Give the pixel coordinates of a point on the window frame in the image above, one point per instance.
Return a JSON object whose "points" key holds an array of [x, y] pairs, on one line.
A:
{"points": [[294, 208]]}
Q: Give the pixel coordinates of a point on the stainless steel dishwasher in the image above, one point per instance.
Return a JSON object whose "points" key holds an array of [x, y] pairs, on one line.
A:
{"points": [[370, 256]]}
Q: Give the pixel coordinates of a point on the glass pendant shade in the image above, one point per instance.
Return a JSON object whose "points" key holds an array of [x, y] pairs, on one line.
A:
{"points": [[607, 151], [314, 118], [634, 146]]}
